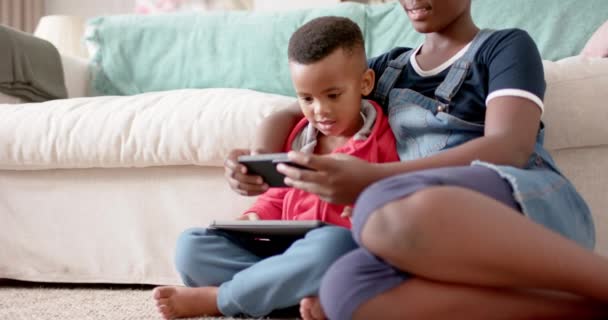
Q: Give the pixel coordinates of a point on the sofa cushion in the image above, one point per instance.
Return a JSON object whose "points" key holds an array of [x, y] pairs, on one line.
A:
{"points": [[576, 113], [559, 28], [135, 54], [181, 127]]}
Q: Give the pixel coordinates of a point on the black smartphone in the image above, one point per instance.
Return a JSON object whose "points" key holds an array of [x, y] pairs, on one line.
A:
{"points": [[265, 165]]}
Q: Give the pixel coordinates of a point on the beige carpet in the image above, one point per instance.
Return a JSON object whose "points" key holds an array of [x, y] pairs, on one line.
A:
{"points": [[20, 301]]}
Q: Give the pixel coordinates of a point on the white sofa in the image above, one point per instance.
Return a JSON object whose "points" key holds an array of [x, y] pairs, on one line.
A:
{"points": [[97, 189]]}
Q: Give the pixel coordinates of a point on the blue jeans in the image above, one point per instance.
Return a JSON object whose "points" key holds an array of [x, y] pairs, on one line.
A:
{"points": [[255, 277]]}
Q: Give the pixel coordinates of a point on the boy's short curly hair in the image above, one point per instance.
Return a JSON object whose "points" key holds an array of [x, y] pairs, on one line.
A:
{"points": [[320, 37]]}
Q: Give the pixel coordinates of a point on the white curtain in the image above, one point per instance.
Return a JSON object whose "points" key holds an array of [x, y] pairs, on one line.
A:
{"points": [[21, 14]]}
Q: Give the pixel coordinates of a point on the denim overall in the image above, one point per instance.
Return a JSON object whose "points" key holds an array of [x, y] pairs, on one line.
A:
{"points": [[424, 126]]}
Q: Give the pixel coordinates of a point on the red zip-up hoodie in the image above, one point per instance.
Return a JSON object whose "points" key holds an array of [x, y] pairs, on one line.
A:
{"points": [[295, 204]]}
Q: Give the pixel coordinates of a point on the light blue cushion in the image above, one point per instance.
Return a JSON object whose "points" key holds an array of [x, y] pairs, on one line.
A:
{"points": [[224, 49], [249, 49], [560, 28]]}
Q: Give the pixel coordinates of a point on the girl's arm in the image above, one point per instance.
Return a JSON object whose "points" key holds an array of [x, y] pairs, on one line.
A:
{"points": [[510, 134], [511, 126], [274, 129]]}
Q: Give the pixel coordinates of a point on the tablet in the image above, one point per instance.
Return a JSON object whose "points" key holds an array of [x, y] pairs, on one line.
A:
{"points": [[265, 165], [291, 228]]}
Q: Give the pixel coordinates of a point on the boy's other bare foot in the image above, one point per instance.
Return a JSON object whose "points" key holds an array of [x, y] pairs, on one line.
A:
{"points": [[183, 302], [310, 309]]}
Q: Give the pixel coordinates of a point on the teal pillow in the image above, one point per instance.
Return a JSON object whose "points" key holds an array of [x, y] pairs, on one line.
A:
{"points": [[560, 28], [136, 54]]}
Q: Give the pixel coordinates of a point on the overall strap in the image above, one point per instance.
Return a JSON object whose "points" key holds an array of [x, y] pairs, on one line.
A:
{"points": [[458, 72], [390, 75]]}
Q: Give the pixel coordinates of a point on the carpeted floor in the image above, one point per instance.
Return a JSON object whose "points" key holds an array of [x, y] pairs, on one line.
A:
{"points": [[21, 301]]}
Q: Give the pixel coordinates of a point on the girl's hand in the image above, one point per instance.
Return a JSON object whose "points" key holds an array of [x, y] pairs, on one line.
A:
{"points": [[337, 178], [238, 179]]}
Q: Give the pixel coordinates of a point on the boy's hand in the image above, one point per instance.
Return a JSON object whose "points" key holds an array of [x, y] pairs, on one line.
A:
{"points": [[249, 216], [238, 179]]}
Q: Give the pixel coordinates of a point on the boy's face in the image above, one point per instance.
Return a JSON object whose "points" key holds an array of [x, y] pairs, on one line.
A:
{"points": [[329, 91], [434, 15]]}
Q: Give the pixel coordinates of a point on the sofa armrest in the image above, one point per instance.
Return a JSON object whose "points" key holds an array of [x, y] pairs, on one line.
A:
{"points": [[575, 108], [77, 76]]}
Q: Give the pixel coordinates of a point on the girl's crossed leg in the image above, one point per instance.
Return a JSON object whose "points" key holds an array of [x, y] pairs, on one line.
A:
{"points": [[472, 252]]}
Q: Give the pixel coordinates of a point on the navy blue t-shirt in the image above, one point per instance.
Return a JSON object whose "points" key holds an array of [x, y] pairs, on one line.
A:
{"points": [[507, 64]]}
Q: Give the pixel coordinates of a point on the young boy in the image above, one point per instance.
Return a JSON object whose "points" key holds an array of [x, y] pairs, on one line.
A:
{"points": [[230, 276]]}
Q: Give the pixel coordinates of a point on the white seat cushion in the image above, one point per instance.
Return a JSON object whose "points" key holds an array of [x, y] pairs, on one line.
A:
{"points": [[182, 127]]}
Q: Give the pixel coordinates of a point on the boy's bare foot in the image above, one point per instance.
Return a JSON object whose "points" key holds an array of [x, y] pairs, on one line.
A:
{"points": [[310, 309], [183, 302]]}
